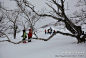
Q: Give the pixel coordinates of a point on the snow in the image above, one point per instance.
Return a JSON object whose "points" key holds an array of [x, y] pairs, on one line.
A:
{"points": [[59, 46], [56, 47]]}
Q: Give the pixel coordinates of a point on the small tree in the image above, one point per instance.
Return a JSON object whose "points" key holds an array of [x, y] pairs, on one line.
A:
{"points": [[12, 17], [81, 15], [3, 24]]}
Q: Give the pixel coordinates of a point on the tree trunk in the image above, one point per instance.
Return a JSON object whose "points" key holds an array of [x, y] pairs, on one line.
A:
{"points": [[74, 29], [14, 31]]}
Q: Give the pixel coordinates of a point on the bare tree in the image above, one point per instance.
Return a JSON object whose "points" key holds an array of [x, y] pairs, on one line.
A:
{"points": [[12, 16], [31, 19], [81, 3], [79, 18], [80, 15], [30, 16], [57, 14], [3, 24], [13, 19]]}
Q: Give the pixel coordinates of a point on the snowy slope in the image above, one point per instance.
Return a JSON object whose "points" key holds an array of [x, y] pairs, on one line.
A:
{"points": [[58, 47]]}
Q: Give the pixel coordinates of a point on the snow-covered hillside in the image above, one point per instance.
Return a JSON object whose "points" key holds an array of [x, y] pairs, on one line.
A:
{"points": [[58, 47]]}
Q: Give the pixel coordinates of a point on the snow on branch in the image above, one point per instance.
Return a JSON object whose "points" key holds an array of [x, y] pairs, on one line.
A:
{"points": [[67, 34]]}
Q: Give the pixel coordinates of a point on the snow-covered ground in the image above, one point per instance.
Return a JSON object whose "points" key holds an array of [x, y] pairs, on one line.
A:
{"points": [[59, 46]]}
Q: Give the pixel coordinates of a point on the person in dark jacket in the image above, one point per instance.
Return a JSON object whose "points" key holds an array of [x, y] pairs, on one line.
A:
{"points": [[29, 35], [50, 30], [24, 36], [45, 31]]}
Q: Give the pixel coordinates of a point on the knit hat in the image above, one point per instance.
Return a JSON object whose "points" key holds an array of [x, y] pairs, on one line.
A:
{"points": [[24, 30], [29, 29]]}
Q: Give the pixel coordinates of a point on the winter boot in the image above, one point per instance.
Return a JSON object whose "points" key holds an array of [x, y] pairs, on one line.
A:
{"points": [[29, 41], [24, 41]]}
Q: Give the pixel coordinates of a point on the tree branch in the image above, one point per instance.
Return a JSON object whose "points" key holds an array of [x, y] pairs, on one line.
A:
{"points": [[67, 34], [43, 15], [59, 6], [54, 10]]}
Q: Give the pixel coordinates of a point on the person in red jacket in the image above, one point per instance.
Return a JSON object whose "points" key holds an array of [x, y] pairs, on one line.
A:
{"points": [[29, 35], [48, 31], [54, 31]]}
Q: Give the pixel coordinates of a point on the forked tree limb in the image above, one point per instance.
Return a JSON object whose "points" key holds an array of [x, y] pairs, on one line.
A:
{"points": [[58, 32], [5, 35], [37, 37]]}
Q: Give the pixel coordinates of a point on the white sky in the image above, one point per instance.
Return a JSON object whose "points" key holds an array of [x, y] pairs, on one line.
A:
{"points": [[39, 4]]}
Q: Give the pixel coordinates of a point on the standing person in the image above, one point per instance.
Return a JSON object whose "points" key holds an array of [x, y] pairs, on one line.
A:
{"points": [[29, 35], [54, 31], [24, 36], [45, 31], [50, 30]]}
